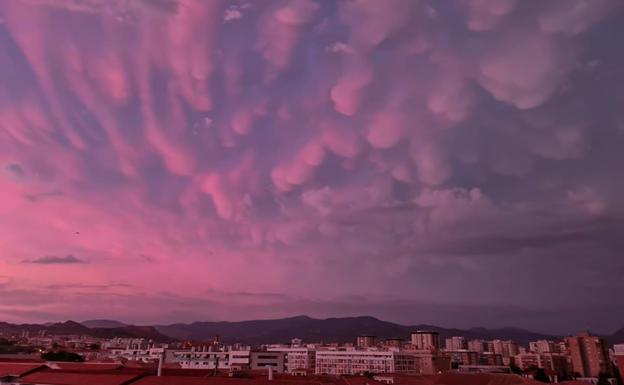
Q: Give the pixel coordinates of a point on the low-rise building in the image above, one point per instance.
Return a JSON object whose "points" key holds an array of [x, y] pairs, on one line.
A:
{"points": [[366, 341], [491, 359], [208, 359], [297, 357], [552, 362], [464, 357], [352, 362], [266, 359]]}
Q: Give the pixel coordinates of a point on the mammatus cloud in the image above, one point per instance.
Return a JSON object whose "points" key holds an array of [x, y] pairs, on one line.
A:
{"points": [[54, 260], [423, 153]]}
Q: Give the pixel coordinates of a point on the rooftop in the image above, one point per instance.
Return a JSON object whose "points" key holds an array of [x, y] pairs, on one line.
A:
{"points": [[18, 369], [72, 378]]}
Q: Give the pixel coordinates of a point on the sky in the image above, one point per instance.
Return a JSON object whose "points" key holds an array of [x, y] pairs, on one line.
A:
{"points": [[456, 163]]}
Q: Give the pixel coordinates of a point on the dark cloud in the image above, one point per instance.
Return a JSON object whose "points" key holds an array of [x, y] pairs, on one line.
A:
{"points": [[14, 170], [55, 260]]}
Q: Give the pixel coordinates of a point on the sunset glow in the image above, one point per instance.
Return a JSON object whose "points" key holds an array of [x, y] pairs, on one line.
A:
{"points": [[455, 163]]}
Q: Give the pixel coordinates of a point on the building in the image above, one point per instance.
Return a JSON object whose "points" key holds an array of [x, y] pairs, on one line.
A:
{"points": [[208, 359], [491, 359], [504, 348], [456, 343], [342, 362], [589, 355], [137, 353], [432, 363], [552, 362], [483, 369], [528, 360], [353, 362], [543, 346], [426, 340], [266, 360], [464, 357], [478, 346], [296, 358], [366, 341], [394, 343]]}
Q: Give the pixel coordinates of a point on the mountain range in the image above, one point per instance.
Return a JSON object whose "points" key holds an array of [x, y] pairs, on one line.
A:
{"points": [[280, 330], [328, 330], [72, 327]]}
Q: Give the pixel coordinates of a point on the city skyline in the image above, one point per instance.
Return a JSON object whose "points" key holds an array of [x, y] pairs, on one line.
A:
{"points": [[448, 163]]}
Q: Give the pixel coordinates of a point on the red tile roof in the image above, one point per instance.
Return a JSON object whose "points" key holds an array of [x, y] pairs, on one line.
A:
{"points": [[18, 369], [64, 378], [479, 379], [185, 380]]}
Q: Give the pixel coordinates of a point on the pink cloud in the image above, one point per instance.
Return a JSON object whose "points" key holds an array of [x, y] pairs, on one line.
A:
{"points": [[341, 140], [281, 30], [574, 17], [525, 69], [349, 93], [173, 147], [485, 15]]}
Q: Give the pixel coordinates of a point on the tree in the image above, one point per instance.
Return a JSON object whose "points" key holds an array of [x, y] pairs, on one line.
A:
{"points": [[63, 356], [603, 379], [515, 369], [540, 375], [618, 375]]}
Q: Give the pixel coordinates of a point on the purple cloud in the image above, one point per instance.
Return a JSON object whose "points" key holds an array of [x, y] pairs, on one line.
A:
{"points": [[423, 153]]}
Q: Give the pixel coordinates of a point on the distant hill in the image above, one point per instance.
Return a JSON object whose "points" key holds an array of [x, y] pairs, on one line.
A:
{"points": [[72, 327], [617, 337], [331, 329], [103, 323], [280, 330]]}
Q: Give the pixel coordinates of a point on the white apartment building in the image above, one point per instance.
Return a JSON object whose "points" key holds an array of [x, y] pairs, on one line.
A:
{"points": [[137, 353], [265, 360], [543, 346], [342, 362], [207, 359], [353, 362], [297, 358]]}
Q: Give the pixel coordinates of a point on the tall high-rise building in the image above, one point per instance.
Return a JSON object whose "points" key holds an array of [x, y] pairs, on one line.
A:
{"points": [[543, 346], [505, 348], [366, 341], [589, 355], [426, 340], [476, 346], [456, 343], [394, 342]]}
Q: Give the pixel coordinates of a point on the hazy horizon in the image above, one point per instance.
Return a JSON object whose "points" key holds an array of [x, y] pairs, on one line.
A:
{"points": [[451, 163], [555, 332]]}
